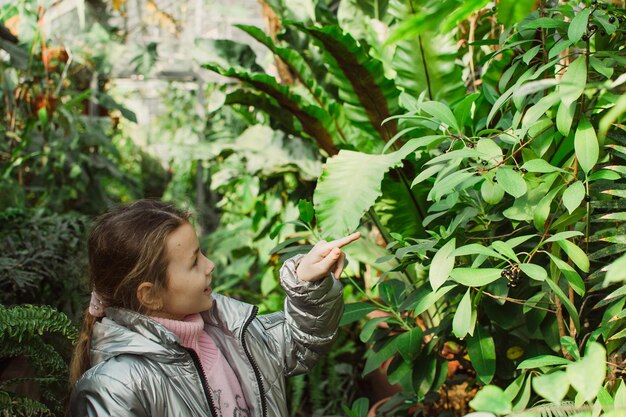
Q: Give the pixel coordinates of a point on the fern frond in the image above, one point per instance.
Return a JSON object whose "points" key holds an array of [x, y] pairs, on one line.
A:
{"points": [[26, 321], [12, 405]]}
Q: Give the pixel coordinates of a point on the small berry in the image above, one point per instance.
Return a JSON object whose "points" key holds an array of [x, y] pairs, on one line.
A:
{"points": [[585, 37], [493, 9], [524, 171], [470, 145], [504, 273], [515, 169], [604, 6], [594, 2], [602, 33], [484, 163], [587, 198], [495, 180], [612, 19]]}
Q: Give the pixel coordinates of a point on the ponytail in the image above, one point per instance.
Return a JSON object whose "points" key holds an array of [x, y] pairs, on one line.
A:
{"points": [[81, 361]]}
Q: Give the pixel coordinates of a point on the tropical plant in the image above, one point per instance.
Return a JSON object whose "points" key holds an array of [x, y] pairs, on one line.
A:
{"points": [[41, 337], [500, 207]]}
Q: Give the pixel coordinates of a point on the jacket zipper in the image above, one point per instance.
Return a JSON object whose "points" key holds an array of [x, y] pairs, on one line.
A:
{"points": [[200, 369], [255, 367]]}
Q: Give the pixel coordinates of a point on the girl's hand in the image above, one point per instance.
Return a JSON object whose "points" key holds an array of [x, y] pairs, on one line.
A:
{"points": [[324, 258]]}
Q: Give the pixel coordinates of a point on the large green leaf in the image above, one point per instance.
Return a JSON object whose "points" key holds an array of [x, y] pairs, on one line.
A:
{"points": [[316, 122], [491, 398], [368, 96], [349, 186], [587, 374], [552, 387], [482, 353]]}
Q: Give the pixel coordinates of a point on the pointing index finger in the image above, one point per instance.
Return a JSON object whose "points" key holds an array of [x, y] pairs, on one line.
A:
{"points": [[341, 242]]}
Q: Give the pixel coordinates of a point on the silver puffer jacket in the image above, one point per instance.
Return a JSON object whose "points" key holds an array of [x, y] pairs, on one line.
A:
{"points": [[140, 369]]}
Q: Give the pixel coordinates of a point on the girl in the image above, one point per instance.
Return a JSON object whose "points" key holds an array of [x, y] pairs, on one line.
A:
{"points": [[157, 342]]}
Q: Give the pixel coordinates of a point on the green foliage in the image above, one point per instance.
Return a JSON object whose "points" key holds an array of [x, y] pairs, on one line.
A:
{"points": [[42, 336], [511, 195], [43, 259]]}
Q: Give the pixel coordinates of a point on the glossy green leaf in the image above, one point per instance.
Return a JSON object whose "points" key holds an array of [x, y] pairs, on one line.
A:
{"points": [[586, 145], [482, 353], [563, 235], [505, 249], [441, 265], [587, 374], [541, 166], [369, 327], [409, 343], [552, 387], [424, 298], [462, 320], [573, 82], [376, 358], [573, 196], [541, 361], [475, 277], [355, 311], [573, 278], [535, 272], [616, 271], [476, 249], [441, 112], [576, 254], [578, 25], [511, 181], [564, 117], [565, 302]]}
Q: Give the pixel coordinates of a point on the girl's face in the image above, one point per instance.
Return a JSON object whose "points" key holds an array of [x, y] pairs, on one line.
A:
{"points": [[189, 276]]}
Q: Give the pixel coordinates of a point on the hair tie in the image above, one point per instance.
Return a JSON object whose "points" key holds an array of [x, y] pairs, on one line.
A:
{"points": [[96, 305]]}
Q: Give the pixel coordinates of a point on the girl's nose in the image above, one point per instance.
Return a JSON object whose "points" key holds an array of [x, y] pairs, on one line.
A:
{"points": [[209, 267]]}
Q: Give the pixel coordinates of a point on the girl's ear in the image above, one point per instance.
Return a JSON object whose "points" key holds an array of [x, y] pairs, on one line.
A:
{"points": [[146, 294]]}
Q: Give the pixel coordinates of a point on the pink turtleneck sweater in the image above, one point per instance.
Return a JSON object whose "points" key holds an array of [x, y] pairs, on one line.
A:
{"points": [[222, 382]]}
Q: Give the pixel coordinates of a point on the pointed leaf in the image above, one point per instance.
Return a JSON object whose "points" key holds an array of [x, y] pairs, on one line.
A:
{"points": [[573, 196], [369, 97], [475, 277], [441, 112], [535, 272], [586, 145], [441, 265], [462, 320], [482, 353], [355, 311], [578, 25]]}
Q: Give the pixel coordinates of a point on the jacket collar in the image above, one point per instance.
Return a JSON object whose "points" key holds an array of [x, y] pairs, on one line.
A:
{"points": [[124, 331]]}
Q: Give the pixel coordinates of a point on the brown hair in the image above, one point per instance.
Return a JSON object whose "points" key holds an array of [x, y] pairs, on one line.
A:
{"points": [[127, 246]]}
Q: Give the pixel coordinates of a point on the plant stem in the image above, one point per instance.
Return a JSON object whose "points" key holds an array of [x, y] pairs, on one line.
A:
{"points": [[430, 91]]}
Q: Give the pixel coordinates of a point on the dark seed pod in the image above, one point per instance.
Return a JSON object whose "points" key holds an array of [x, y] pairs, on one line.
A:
{"points": [[493, 9], [495, 179], [587, 198], [612, 19], [484, 163], [503, 273], [585, 37], [524, 171], [515, 169], [469, 145]]}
